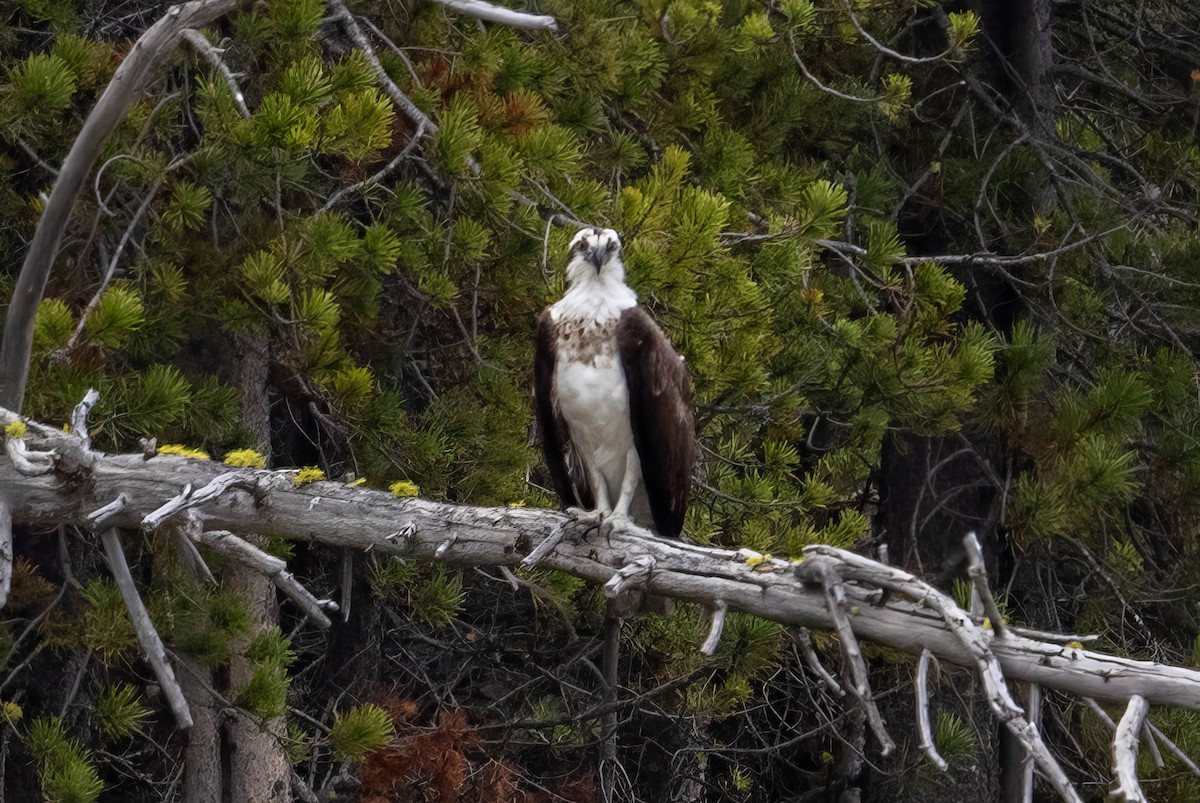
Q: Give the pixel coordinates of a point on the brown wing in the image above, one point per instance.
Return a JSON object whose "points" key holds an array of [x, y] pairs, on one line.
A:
{"points": [[660, 409], [570, 483]]}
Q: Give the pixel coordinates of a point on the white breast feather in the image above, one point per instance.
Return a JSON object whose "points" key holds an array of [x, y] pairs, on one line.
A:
{"points": [[590, 383]]}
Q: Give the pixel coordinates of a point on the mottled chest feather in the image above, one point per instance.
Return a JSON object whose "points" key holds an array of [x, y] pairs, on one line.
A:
{"points": [[588, 341]]}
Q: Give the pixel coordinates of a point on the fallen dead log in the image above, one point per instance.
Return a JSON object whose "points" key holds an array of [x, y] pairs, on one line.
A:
{"points": [[338, 515], [59, 478]]}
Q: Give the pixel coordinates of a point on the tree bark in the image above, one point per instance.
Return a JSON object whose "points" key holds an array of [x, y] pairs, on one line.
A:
{"points": [[259, 768], [203, 776]]}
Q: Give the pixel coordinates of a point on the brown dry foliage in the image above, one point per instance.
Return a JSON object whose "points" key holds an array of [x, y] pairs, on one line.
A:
{"points": [[445, 763]]}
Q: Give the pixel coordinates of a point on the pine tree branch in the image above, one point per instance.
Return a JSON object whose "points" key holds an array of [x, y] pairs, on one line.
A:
{"points": [[135, 73]]}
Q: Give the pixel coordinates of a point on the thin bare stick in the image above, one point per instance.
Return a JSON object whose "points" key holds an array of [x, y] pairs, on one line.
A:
{"points": [[978, 572], [1101, 713], [512, 579], [186, 530], [245, 553], [803, 640], [633, 576], [32, 154], [111, 270], [504, 16], [386, 170], [1033, 713], [99, 516], [347, 583], [545, 547], [400, 54], [80, 414], [6, 551], [189, 498], [28, 463], [720, 608], [1152, 743], [1174, 750], [922, 688], [1046, 635], [411, 111], [812, 79], [823, 572], [152, 646], [887, 51], [212, 55], [1125, 750], [446, 546]]}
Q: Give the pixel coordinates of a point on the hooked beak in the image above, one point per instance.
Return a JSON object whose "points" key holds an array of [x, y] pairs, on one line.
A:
{"points": [[595, 255]]}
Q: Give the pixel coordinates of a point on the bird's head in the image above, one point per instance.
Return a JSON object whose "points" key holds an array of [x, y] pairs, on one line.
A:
{"points": [[595, 254]]}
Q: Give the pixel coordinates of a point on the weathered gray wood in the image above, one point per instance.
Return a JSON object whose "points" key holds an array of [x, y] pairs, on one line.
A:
{"points": [[337, 515], [152, 646], [1125, 750], [6, 551]]}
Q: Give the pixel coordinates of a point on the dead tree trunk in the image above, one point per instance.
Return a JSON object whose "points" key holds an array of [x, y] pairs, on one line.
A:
{"points": [[259, 769]]}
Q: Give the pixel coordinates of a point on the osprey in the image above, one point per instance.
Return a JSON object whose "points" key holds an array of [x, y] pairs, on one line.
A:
{"points": [[613, 399]]}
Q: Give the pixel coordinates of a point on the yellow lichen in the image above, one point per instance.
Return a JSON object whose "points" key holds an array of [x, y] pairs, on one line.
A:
{"points": [[12, 711], [306, 475], [183, 451], [357, 482], [16, 429], [518, 503], [245, 458], [755, 560], [1075, 645], [404, 488]]}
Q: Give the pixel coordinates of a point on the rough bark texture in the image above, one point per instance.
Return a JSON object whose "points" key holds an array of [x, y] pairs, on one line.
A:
{"points": [[203, 778], [259, 769]]}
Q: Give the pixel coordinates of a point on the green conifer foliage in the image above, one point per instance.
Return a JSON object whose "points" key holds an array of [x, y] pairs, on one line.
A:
{"points": [[399, 311]]}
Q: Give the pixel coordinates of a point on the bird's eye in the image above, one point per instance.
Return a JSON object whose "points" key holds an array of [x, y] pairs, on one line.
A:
{"points": [[612, 246]]}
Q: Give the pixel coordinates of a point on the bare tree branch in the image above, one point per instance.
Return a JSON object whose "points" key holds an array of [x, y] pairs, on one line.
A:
{"points": [[212, 55], [922, 687], [6, 551], [152, 646], [500, 14], [1125, 750]]}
